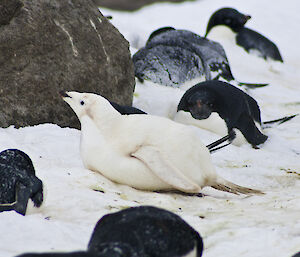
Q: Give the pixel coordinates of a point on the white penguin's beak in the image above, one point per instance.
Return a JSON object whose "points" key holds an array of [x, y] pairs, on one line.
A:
{"points": [[72, 99], [67, 97], [64, 94]]}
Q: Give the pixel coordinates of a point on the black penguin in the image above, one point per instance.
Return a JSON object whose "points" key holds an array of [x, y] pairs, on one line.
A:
{"points": [[18, 182], [246, 38], [145, 231], [168, 65], [172, 57], [237, 109], [182, 55]]}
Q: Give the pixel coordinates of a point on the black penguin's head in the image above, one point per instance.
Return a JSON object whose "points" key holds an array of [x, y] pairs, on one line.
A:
{"points": [[199, 103], [229, 17]]}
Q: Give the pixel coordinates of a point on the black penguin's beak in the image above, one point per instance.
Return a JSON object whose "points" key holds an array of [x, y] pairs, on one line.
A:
{"points": [[64, 94], [246, 18]]}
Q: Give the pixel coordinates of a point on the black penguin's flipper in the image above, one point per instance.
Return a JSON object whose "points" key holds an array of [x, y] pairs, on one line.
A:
{"points": [[281, 120], [213, 146], [248, 128], [22, 197], [252, 85], [37, 195], [252, 40]]}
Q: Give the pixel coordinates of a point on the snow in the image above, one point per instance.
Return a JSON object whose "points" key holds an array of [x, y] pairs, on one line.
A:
{"points": [[230, 225]]}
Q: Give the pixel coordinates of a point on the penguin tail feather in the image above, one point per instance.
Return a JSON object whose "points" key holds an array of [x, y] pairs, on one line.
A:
{"points": [[226, 186]]}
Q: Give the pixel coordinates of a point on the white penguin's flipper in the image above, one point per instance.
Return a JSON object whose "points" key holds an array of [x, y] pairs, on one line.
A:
{"points": [[226, 186], [162, 168]]}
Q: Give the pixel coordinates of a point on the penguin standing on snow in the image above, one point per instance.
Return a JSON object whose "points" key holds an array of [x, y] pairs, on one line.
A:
{"points": [[224, 103], [18, 182], [248, 39]]}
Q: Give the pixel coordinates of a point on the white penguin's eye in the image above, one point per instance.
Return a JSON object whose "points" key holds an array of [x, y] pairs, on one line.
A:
{"points": [[82, 102]]}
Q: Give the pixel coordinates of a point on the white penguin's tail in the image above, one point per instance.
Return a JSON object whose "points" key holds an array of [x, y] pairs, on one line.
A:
{"points": [[224, 185]]}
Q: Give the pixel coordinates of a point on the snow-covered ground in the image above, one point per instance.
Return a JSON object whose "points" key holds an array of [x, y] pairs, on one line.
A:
{"points": [[230, 225]]}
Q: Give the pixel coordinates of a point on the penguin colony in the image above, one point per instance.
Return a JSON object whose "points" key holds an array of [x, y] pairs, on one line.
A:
{"points": [[170, 58]]}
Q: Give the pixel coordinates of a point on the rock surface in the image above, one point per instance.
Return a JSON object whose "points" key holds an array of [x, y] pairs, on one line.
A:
{"points": [[50, 45], [130, 5]]}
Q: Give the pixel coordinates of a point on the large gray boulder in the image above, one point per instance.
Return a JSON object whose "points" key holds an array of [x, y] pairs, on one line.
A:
{"points": [[51, 45]]}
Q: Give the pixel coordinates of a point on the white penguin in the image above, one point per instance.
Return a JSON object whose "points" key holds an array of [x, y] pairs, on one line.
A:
{"points": [[143, 151]]}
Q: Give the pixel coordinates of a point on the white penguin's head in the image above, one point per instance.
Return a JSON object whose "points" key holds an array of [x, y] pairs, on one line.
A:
{"points": [[84, 103]]}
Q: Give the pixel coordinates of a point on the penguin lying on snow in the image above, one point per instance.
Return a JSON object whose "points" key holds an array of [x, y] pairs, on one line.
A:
{"points": [[170, 64], [18, 182], [246, 38], [139, 232], [146, 231], [172, 57], [214, 103], [143, 151]]}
